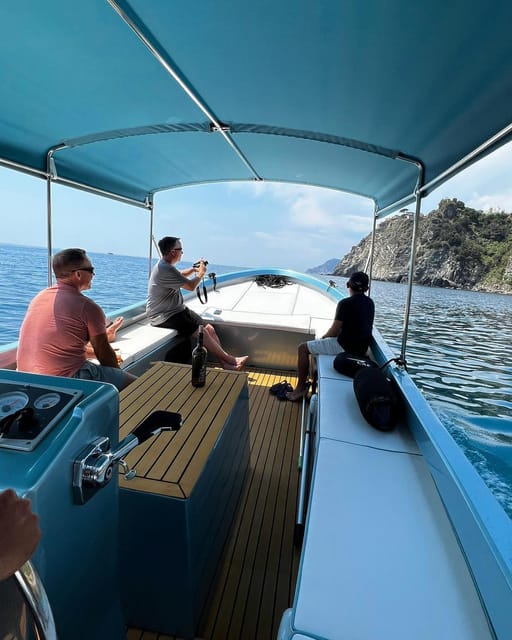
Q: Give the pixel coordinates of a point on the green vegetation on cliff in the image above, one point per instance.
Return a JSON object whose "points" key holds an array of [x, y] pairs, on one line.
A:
{"points": [[457, 247]]}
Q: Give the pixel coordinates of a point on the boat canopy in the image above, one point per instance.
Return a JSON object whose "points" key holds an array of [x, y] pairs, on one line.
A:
{"points": [[374, 97]]}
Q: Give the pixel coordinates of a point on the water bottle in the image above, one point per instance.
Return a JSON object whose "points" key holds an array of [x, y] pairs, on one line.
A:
{"points": [[199, 358]]}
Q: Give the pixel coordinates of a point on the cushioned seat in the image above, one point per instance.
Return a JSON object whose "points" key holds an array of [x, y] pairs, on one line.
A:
{"points": [[380, 559], [339, 416], [136, 341]]}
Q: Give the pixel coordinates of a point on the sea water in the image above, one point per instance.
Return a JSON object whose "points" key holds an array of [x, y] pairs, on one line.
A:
{"points": [[458, 347], [119, 281]]}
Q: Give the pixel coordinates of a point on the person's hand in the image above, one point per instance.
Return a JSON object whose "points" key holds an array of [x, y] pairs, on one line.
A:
{"points": [[113, 327], [202, 268], [19, 532], [111, 336]]}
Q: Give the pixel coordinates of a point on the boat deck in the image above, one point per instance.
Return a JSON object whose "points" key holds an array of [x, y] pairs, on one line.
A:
{"points": [[256, 577]]}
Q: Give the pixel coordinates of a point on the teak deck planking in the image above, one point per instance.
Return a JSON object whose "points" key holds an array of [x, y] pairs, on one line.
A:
{"points": [[256, 577], [171, 463]]}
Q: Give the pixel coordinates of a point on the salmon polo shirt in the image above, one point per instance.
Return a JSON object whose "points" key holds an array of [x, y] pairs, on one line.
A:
{"points": [[59, 323]]}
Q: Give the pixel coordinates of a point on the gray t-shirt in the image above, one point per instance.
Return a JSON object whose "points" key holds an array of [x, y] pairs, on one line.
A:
{"points": [[164, 295]]}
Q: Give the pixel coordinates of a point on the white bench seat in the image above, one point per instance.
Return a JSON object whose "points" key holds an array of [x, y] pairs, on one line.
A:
{"points": [[380, 558], [250, 305], [140, 339], [340, 418], [250, 319]]}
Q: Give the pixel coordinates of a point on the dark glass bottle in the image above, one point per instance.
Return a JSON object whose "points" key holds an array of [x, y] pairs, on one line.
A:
{"points": [[199, 358]]}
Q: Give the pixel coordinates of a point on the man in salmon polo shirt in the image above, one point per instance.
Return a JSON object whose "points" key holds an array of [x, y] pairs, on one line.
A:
{"points": [[61, 321]]}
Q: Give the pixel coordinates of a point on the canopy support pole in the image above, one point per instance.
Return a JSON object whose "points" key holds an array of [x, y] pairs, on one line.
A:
{"points": [[412, 263], [369, 262], [150, 205], [50, 174]]}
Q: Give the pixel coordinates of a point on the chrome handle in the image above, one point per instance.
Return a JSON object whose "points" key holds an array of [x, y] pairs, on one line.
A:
{"points": [[92, 469], [35, 596], [95, 464]]}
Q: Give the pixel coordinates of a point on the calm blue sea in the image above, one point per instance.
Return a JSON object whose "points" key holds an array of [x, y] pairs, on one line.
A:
{"points": [[119, 281], [458, 348]]}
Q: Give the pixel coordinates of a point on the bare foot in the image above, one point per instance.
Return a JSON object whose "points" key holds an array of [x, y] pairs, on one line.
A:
{"points": [[240, 362], [298, 394], [238, 365]]}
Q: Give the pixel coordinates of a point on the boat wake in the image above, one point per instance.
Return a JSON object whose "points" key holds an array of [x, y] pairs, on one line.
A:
{"points": [[487, 443]]}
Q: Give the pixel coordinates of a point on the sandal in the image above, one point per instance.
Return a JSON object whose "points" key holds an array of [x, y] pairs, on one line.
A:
{"points": [[276, 388]]}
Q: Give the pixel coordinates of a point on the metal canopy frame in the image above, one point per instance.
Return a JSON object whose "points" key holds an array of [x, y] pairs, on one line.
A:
{"points": [[332, 79], [404, 94], [162, 59], [237, 65]]}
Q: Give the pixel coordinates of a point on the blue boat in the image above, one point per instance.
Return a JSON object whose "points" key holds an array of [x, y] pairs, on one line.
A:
{"points": [[347, 532]]}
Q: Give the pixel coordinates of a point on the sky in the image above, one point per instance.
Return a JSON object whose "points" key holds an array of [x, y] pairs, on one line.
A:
{"points": [[245, 225]]}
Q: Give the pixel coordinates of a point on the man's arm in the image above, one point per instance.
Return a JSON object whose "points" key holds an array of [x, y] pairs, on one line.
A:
{"points": [[19, 532], [333, 330], [111, 335], [193, 283], [103, 351]]}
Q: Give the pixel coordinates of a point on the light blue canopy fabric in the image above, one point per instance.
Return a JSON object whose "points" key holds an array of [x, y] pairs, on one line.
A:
{"points": [[327, 93]]}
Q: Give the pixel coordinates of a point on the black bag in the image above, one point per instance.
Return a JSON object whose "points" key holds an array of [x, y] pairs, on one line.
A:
{"points": [[377, 398], [348, 364]]}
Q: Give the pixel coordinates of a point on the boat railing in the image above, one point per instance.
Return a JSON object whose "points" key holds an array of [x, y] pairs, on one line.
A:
{"points": [[34, 594], [133, 314], [482, 526]]}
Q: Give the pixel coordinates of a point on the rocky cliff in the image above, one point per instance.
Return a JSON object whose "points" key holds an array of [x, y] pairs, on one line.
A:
{"points": [[457, 247]]}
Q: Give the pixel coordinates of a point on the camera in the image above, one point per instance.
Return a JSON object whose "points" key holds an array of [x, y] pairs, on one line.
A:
{"points": [[196, 265]]}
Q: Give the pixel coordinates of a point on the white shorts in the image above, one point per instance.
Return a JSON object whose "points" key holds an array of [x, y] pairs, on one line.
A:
{"points": [[324, 347]]}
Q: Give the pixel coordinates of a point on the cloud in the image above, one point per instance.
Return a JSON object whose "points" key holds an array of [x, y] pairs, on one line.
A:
{"points": [[501, 200], [313, 207], [295, 226], [482, 185]]}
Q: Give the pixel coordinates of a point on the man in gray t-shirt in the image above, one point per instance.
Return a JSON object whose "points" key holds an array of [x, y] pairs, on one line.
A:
{"points": [[165, 306], [164, 295]]}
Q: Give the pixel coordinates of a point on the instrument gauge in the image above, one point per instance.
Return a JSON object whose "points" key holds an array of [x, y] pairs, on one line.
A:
{"points": [[47, 400], [12, 402]]}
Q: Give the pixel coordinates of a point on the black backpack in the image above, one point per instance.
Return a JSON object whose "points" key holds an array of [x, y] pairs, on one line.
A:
{"points": [[377, 398]]}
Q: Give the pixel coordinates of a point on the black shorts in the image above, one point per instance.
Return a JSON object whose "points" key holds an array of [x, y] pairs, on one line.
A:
{"points": [[185, 322]]}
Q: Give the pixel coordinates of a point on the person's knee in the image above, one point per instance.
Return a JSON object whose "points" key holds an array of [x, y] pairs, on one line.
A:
{"points": [[210, 330]]}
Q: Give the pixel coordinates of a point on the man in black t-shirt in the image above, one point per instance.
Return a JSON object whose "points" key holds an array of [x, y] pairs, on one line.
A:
{"points": [[350, 331]]}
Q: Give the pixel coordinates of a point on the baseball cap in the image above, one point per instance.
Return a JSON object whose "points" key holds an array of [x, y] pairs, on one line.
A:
{"points": [[359, 281]]}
